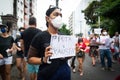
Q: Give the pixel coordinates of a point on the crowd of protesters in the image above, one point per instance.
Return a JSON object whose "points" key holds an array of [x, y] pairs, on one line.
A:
{"points": [[32, 48], [102, 47]]}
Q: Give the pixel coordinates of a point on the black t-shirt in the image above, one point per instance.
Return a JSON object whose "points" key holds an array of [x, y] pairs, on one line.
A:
{"points": [[27, 36], [17, 41], [18, 44], [40, 42], [5, 43]]}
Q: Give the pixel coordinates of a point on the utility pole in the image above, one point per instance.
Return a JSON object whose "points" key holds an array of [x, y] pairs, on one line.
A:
{"points": [[0, 20], [99, 21], [57, 1]]}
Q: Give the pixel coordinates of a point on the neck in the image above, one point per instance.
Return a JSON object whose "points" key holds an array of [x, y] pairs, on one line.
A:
{"points": [[4, 35], [52, 30], [33, 26]]}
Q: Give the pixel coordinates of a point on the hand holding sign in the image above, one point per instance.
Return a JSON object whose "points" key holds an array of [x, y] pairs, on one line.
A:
{"points": [[62, 46]]}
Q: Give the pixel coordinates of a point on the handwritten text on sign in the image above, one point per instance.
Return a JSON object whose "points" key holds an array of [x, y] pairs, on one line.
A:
{"points": [[62, 46]]}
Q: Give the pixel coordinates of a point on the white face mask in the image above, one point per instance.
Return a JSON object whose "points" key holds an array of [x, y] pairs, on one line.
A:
{"points": [[105, 33], [57, 22]]}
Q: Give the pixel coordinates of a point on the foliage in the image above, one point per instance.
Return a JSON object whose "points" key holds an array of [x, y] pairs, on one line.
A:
{"points": [[80, 34], [64, 30], [91, 14], [110, 9], [109, 12]]}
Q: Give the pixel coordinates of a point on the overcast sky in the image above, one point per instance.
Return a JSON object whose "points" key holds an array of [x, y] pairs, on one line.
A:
{"points": [[67, 7]]}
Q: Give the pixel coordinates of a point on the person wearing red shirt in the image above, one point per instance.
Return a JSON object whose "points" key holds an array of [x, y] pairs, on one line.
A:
{"points": [[80, 54]]}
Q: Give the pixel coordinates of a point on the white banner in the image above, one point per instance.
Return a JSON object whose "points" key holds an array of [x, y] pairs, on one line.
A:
{"points": [[62, 46], [97, 30]]}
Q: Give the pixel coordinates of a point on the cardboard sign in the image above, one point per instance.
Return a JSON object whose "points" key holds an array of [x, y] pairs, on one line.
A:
{"points": [[97, 31], [62, 46]]}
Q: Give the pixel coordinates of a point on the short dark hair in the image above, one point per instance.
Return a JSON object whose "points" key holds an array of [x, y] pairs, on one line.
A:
{"points": [[21, 28], [3, 26], [50, 10], [80, 40], [103, 30], [32, 21]]}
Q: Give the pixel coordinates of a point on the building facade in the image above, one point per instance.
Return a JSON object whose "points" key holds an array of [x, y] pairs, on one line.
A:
{"points": [[19, 9], [77, 20], [20, 13], [16, 13]]}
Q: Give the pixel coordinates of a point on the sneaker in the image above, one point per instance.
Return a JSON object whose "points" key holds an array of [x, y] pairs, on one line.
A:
{"points": [[74, 70], [110, 69]]}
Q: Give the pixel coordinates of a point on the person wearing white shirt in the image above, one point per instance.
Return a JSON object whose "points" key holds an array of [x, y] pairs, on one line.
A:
{"points": [[104, 42], [116, 46]]}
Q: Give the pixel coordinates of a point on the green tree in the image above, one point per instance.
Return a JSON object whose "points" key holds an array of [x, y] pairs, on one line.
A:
{"points": [[108, 10], [65, 30], [91, 14]]}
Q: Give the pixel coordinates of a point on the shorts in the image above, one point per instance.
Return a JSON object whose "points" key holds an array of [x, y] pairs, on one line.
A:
{"points": [[19, 54], [32, 68], [7, 60], [93, 51], [80, 54]]}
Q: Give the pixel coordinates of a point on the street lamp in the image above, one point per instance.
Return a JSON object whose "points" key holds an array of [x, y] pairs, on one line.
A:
{"points": [[99, 16], [98, 21]]}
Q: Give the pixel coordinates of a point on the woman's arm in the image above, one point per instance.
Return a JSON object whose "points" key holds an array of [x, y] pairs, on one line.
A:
{"points": [[22, 44], [33, 57], [1, 56]]}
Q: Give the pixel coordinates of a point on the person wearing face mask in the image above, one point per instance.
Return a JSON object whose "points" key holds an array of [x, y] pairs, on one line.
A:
{"points": [[20, 62], [39, 51], [26, 37], [116, 45], [104, 43], [7, 46]]}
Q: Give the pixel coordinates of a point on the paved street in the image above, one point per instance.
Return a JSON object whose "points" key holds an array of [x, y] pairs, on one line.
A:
{"points": [[90, 72], [95, 73]]}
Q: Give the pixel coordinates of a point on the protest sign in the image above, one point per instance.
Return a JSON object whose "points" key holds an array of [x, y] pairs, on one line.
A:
{"points": [[97, 30], [62, 46]]}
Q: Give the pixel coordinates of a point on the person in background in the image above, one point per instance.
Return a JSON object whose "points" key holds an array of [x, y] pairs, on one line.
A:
{"points": [[7, 46], [39, 51], [93, 53], [80, 53], [104, 43], [20, 62], [26, 38], [116, 46], [73, 64]]}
